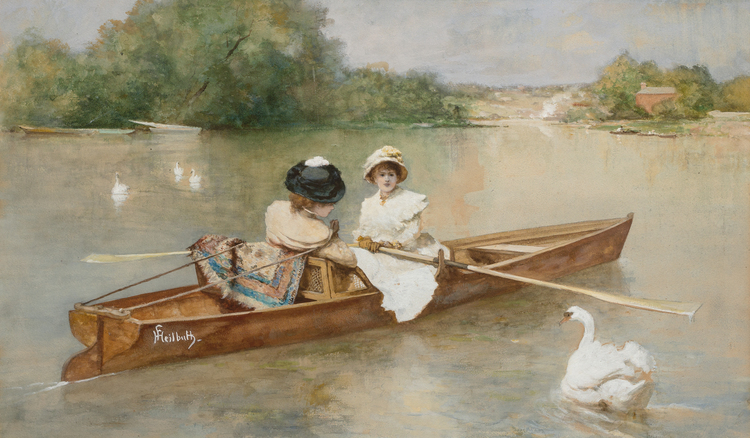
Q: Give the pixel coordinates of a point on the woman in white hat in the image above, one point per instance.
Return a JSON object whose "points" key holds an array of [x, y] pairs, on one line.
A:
{"points": [[393, 218]]}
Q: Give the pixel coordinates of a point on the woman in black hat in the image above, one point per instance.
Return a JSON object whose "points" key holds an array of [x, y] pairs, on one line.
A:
{"points": [[292, 228], [297, 224]]}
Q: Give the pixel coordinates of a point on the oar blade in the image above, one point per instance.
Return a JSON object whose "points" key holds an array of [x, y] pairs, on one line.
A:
{"points": [[675, 307], [678, 308], [116, 258]]}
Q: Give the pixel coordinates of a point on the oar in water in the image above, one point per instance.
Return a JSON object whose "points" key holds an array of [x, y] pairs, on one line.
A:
{"points": [[675, 307], [115, 258]]}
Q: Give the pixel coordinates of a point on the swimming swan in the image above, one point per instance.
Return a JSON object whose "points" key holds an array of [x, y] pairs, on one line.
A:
{"points": [[177, 169], [604, 376], [119, 188], [194, 179]]}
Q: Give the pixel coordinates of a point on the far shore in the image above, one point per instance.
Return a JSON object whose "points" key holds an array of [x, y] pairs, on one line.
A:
{"points": [[716, 124]]}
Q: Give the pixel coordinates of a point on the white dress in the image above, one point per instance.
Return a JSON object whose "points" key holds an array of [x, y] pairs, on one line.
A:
{"points": [[407, 286]]}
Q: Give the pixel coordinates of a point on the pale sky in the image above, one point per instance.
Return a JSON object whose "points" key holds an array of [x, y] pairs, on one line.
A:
{"points": [[501, 42]]}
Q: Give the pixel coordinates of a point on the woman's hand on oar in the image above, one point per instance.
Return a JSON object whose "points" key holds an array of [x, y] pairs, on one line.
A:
{"points": [[115, 258], [675, 307]]}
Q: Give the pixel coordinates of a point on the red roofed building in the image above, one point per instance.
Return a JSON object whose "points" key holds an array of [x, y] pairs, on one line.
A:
{"points": [[650, 96]]}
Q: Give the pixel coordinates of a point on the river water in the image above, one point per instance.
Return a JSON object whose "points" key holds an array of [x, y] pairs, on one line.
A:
{"points": [[488, 368]]}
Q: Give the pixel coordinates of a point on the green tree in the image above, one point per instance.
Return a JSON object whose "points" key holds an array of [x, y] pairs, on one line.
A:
{"points": [[735, 94], [228, 63], [37, 77], [696, 89], [618, 84], [220, 64]]}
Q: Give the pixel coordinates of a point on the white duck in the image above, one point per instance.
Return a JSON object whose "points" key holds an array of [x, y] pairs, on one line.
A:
{"points": [[177, 169], [194, 179], [604, 376], [119, 188]]}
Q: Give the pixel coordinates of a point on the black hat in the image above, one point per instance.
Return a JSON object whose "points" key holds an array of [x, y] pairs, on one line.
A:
{"points": [[317, 180]]}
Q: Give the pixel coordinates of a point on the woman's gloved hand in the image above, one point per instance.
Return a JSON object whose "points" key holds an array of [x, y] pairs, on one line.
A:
{"points": [[368, 244], [334, 228]]}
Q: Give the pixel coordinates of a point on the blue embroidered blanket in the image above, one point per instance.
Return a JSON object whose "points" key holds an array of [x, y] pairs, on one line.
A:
{"points": [[272, 286]]}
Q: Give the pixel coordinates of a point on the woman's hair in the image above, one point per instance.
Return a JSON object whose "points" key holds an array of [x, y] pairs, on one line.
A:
{"points": [[386, 165], [299, 202]]}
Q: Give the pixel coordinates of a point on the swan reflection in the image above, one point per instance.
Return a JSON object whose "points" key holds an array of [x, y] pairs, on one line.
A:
{"points": [[119, 199]]}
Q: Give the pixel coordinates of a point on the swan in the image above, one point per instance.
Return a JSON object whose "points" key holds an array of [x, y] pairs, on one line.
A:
{"points": [[605, 376], [119, 188], [177, 169], [194, 179]]}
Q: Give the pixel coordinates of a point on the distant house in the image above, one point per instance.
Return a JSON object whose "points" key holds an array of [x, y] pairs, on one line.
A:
{"points": [[650, 96]]}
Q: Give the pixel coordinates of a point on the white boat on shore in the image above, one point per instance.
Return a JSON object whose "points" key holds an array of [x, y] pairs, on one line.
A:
{"points": [[161, 128]]}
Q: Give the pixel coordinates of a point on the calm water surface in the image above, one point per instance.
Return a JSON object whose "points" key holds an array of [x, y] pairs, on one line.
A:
{"points": [[489, 368]]}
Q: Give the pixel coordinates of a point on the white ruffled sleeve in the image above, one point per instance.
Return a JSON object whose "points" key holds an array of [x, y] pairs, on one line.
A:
{"points": [[399, 219], [411, 230]]}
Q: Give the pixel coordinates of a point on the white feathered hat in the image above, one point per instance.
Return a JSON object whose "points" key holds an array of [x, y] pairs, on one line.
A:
{"points": [[386, 153]]}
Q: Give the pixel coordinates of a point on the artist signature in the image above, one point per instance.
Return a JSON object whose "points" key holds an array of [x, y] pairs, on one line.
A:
{"points": [[159, 335]]}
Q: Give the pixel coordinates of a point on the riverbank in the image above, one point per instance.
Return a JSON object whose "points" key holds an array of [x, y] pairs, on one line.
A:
{"points": [[554, 104]]}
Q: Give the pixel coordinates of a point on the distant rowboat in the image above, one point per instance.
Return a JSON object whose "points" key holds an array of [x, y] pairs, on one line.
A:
{"points": [[73, 131], [624, 131], [161, 128], [656, 134], [116, 131], [57, 131]]}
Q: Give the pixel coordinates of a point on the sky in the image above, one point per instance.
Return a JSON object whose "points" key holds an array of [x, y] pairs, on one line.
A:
{"points": [[496, 43]]}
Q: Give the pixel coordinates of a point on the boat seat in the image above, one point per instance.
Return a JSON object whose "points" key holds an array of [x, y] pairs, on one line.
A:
{"points": [[323, 279]]}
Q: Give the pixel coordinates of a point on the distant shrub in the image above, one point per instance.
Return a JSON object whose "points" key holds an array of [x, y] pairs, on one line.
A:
{"points": [[735, 94], [619, 82], [577, 114]]}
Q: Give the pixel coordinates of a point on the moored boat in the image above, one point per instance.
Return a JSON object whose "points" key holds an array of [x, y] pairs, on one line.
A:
{"points": [[115, 131], [56, 131], [624, 131], [657, 134], [161, 128], [185, 323], [74, 131]]}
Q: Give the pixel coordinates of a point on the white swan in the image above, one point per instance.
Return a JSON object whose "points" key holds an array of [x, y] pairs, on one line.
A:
{"points": [[177, 169], [194, 179], [119, 188], [604, 376]]}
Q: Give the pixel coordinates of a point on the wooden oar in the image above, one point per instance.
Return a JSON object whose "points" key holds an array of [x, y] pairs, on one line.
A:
{"points": [[115, 258], [675, 307]]}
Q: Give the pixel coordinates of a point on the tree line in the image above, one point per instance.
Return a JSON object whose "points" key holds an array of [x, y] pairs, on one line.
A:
{"points": [[224, 64], [697, 92], [237, 64]]}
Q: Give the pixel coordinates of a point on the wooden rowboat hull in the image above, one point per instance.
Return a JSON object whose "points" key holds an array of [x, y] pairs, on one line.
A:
{"points": [[56, 131], [332, 301], [71, 131], [162, 128]]}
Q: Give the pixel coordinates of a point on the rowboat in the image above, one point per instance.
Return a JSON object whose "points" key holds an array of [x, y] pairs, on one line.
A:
{"points": [[161, 128], [624, 131], [657, 134], [56, 131], [73, 131], [115, 131], [151, 328]]}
